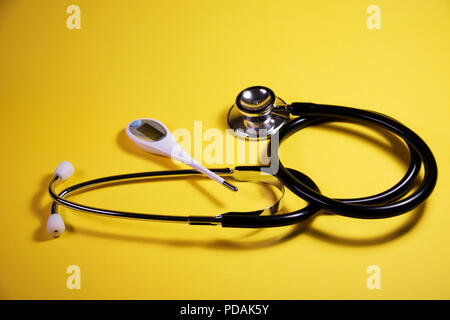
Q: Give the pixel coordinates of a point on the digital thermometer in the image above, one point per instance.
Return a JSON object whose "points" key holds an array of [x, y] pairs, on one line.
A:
{"points": [[154, 137]]}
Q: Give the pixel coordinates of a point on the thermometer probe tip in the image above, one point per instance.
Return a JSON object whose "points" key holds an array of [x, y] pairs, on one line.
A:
{"points": [[230, 186]]}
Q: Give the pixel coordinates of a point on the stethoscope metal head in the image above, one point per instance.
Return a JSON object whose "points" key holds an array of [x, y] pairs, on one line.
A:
{"points": [[257, 113]]}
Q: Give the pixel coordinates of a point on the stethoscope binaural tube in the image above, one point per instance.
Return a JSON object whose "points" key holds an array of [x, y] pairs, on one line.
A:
{"points": [[261, 218], [383, 205]]}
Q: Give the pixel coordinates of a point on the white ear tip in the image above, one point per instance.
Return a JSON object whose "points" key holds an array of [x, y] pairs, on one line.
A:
{"points": [[55, 225], [64, 170]]}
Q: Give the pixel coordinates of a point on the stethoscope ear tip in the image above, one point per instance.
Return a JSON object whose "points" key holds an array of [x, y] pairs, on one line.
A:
{"points": [[55, 225], [64, 170]]}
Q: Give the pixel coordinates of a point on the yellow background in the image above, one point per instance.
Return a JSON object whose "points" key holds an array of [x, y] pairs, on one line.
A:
{"points": [[68, 94]]}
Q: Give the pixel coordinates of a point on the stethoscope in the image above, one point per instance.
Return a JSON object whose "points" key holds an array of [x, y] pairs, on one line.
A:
{"points": [[259, 114]]}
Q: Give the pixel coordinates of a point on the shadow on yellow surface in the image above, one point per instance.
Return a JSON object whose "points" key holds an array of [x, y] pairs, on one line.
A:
{"points": [[242, 244], [42, 211]]}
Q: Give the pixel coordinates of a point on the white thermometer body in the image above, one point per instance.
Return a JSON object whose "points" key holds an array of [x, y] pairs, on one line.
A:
{"points": [[153, 136]]}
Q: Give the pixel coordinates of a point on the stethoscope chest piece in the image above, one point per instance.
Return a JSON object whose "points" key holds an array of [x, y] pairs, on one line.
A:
{"points": [[257, 113]]}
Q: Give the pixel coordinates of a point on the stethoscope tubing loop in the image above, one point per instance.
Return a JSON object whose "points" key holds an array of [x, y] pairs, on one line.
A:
{"points": [[363, 209]]}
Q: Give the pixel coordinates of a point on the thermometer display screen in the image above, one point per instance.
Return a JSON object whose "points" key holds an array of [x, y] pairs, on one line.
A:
{"points": [[151, 132]]}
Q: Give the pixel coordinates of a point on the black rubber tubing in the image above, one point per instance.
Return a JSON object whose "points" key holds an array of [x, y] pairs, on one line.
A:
{"points": [[383, 205]]}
